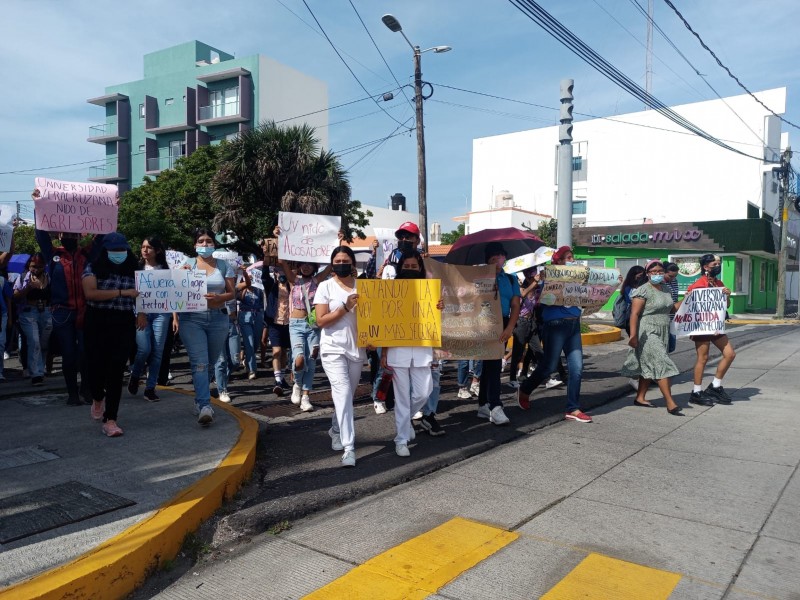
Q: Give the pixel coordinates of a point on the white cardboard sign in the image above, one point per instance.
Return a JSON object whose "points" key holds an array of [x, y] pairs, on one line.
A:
{"points": [[165, 290], [307, 238]]}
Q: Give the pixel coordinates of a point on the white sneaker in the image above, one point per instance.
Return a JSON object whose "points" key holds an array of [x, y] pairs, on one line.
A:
{"points": [[497, 416], [305, 404], [634, 384], [206, 416], [169, 376], [417, 416], [514, 384], [475, 389], [224, 397], [553, 383], [349, 459], [503, 364], [296, 393], [463, 394], [484, 412], [336, 440], [6, 356], [380, 407], [251, 376], [401, 450]]}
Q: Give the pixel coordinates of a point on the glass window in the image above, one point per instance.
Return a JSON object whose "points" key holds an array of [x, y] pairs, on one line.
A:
{"points": [[737, 275], [762, 279], [577, 163], [141, 111], [141, 148], [169, 101], [624, 264], [596, 263], [579, 207]]}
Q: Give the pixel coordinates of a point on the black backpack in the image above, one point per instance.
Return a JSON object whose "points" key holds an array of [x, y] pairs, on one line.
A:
{"points": [[621, 312]]}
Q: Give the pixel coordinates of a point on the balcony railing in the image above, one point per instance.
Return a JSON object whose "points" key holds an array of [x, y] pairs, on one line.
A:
{"points": [[161, 163], [101, 172], [216, 111], [102, 130]]}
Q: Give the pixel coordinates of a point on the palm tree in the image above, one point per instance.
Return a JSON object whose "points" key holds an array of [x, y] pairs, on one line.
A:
{"points": [[272, 168]]}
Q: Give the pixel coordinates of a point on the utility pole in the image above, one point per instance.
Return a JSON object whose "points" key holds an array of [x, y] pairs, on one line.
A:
{"points": [[422, 175], [564, 207], [783, 208], [648, 78]]}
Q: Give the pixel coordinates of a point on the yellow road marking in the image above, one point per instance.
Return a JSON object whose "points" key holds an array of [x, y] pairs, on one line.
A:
{"points": [[419, 567], [602, 578]]}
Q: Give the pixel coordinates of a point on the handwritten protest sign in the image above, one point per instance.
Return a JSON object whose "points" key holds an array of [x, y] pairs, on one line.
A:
{"points": [[232, 258], [164, 290], [309, 238], [270, 251], [175, 259], [399, 312], [701, 313], [587, 287], [387, 242], [471, 319], [255, 273], [75, 207], [6, 227]]}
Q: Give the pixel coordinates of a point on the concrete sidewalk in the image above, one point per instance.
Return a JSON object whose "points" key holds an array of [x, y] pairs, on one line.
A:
{"points": [[699, 507], [118, 508]]}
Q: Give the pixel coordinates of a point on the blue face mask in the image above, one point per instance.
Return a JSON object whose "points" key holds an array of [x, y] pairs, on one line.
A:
{"points": [[204, 251], [656, 279], [117, 257]]}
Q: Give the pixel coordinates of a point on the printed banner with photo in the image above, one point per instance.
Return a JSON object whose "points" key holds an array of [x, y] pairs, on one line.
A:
{"points": [[75, 207], [387, 242], [701, 313], [308, 238], [471, 320], [399, 312], [587, 287], [689, 271], [165, 290], [256, 272]]}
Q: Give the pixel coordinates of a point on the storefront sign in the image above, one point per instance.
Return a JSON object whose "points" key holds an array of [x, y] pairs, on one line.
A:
{"points": [[642, 237]]}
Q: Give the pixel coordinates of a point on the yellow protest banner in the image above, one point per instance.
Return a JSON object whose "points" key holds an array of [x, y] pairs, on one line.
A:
{"points": [[399, 312]]}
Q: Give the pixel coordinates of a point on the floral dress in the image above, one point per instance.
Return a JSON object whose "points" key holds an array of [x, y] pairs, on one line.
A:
{"points": [[650, 359]]}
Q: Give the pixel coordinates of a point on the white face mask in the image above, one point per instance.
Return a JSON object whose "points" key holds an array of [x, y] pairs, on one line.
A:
{"points": [[571, 263]]}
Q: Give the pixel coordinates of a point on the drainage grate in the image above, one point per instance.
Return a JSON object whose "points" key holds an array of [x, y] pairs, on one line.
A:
{"points": [[33, 512], [27, 455]]}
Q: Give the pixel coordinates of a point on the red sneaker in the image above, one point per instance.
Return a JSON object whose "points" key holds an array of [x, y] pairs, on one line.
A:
{"points": [[523, 400], [111, 429], [581, 417], [97, 410]]}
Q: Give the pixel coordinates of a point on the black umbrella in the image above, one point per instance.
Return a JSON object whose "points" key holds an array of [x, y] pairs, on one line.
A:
{"points": [[469, 249]]}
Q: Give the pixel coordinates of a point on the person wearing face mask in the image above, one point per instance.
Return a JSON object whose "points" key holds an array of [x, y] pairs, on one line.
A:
{"points": [[65, 264], [277, 316], [714, 393], [648, 359], [561, 331], [336, 300], [110, 291], [204, 332], [32, 293], [635, 277], [507, 288], [671, 281]]}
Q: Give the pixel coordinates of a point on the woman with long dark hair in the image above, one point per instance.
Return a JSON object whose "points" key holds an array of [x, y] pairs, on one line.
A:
{"points": [[151, 328], [32, 293], [110, 326]]}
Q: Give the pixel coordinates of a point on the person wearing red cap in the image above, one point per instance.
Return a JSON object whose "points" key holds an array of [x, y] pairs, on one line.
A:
{"points": [[561, 331]]}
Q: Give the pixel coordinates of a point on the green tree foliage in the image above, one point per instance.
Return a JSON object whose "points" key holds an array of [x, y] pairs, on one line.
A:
{"points": [[24, 240], [174, 204], [547, 232], [452, 237], [273, 168]]}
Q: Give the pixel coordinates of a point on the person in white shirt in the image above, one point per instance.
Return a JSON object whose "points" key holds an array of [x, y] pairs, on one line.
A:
{"points": [[342, 359]]}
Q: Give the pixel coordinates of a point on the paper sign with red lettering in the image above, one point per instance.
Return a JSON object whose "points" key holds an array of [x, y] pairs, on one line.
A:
{"points": [[307, 238], [164, 290], [76, 207]]}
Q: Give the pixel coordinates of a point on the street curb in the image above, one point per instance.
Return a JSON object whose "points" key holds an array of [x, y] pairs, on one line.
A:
{"points": [[117, 567], [610, 334], [763, 322]]}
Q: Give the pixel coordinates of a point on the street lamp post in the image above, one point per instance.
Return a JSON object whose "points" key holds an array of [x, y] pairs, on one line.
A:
{"points": [[422, 181]]}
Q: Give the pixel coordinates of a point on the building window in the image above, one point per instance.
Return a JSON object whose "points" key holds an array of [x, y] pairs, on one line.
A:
{"points": [[737, 275], [141, 148], [762, 279], [577, 163], [624, 264], [579, 207], [141, 111], [596, 263], [184, 97], [169, 101]]}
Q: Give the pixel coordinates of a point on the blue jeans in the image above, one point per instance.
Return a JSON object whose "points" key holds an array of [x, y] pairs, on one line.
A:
{"points": [[304, 338], [203, 334], [70, 344], [3, 325], [225, 365], [433, 400], [558, 335], [234, 345], [150, 347], [467, 368], [37, 326], [251, 324]]}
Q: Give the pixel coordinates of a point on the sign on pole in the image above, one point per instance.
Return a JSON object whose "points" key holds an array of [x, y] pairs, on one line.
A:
{"points": [[75, 207], [586, 287], [701, 313], [164, 290], [308, 238]]}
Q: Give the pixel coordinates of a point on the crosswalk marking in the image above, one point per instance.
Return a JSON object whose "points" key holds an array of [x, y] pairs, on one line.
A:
{"points": [[420, 566], [599, 577]]}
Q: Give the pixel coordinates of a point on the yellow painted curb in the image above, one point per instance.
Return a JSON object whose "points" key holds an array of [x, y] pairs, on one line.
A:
{"points": [[118, 566], [606, 335]]}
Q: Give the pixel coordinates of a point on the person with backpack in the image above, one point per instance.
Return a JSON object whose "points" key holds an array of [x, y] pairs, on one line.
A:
{"points": [[622, 307]]}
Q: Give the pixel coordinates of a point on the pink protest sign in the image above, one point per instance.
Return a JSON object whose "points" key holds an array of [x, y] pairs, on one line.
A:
{"points": [[76, 207]]}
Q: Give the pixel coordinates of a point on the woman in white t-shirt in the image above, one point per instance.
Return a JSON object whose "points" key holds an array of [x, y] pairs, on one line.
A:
{"points": [[342, 359]]}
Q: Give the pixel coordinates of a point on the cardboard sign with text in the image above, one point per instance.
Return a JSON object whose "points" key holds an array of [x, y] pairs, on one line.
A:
{"points": [[175, 259], [255, 273], [587, 287], [387, 242], [165, 290], [399, 312], [271, 252], [307, 238], [75, 207], [471, 320], [701, 313]]}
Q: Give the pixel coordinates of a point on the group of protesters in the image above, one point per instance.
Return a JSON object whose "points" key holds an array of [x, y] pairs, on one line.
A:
{"points": [[84, 299]]}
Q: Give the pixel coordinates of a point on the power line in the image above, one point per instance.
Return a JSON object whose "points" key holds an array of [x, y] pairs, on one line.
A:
{"points": [[376, 141], [558, 31], [345, 62], [496, 112], [727, 70]]}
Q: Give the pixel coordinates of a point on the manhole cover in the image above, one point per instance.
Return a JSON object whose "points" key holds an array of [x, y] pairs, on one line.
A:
{"points": [[47, 508], [17, 457]]}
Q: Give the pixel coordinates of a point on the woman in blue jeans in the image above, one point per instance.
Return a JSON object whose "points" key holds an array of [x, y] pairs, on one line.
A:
{"points": [[203, 332], [251, 320], [32, 293], [151, 328]]}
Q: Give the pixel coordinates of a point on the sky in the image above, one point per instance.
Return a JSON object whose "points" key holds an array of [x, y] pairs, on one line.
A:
{"points": [[58, 53]]}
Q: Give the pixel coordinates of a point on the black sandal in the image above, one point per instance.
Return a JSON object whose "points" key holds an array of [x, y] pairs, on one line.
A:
{"points": [[645, 404], [676, 412]]}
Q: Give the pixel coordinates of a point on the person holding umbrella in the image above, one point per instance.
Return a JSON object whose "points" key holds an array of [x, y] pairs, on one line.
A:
{"points": [[561, 331]]}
